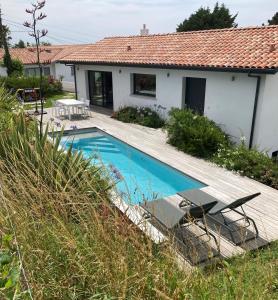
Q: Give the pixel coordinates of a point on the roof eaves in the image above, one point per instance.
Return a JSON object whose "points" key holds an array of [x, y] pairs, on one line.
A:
{"points": [[176, 67]]}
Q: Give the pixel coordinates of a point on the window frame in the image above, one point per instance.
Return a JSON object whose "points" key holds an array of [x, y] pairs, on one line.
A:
{"points": [[138, 93], [48, 71]]}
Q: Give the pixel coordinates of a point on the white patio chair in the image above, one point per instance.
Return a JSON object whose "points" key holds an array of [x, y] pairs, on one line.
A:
{"points": [[86, 107], [80, 108], [59, 110]]}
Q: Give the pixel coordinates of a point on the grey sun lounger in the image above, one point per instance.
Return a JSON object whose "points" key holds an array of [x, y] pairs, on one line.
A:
{"points": [[171, 217], [199, 197]]}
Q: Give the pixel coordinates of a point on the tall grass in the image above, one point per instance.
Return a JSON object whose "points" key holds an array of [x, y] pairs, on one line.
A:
{"points": [[71, 243]]}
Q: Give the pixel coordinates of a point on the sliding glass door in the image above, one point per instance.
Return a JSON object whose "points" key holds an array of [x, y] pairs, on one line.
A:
{"points": [[100, 88]]}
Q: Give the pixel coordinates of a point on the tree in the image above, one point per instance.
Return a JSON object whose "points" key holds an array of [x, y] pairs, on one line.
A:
{"points": [[274, 20], [6, 31], [37, 34], [7, 60], [20, 44], [17, 67], [204, 19], [46, 43]]}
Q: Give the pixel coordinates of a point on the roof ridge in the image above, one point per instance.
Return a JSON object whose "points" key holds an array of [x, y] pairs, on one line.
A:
{"points": [[195, 31]]}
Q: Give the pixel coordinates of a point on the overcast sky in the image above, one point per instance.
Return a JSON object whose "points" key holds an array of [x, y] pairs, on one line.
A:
{"points": [[84, 21]]}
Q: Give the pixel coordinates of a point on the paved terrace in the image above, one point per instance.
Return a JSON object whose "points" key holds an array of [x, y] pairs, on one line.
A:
{"points": [[222, 184]]}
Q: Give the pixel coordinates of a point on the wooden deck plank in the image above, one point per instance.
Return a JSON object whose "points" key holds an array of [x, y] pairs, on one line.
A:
{"points": [[222, 184]]}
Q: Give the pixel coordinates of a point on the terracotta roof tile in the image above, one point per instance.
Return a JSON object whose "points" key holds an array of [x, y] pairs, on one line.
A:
{"points": [[49, 54], [253, 47]]}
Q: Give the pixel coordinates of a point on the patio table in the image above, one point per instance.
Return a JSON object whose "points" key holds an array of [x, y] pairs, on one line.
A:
{"points": [[70, 104]]}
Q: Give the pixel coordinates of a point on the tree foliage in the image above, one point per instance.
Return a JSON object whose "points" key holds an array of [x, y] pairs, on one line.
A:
{"points": [[205, 18], [20, 44], [46, 43], [7, 33], [274, 20]]}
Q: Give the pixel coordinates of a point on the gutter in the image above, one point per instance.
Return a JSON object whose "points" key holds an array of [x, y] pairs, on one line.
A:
{"points": [[75, 81], [258, 86], [177, 67]]}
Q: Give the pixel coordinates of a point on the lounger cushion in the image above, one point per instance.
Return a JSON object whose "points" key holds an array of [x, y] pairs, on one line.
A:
{"points": [[199, 197], [167, 213]]}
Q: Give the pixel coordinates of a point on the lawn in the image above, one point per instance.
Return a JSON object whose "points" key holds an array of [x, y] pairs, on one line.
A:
{"points": [[49, 102]]}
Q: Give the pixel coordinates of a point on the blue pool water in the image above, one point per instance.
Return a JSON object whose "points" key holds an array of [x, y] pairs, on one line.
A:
{"points": [[138, 176]]}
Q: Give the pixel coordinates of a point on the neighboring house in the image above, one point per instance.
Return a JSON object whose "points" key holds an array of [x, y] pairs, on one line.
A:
{"points": [[229, 75], [50, 56]]}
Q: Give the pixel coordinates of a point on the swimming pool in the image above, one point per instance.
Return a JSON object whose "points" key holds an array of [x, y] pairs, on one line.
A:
{"points": [[138, 176]]}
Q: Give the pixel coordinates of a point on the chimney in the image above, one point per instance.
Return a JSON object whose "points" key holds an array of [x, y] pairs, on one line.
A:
{"points": [[145, 30]]}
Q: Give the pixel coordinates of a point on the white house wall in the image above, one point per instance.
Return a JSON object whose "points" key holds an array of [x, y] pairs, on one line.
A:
{"points": [[229, 99], [266, 130], [3, 71], [64, 71]]}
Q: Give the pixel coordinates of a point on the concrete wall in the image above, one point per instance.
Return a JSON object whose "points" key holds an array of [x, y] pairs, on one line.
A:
{"points": [[266, 130], [3, 71], [229, 99], [65, 72]]}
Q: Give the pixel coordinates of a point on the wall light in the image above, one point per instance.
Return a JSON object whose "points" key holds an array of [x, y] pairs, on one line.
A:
{"points": [[120, 71], [168, 74], [233, 78]]}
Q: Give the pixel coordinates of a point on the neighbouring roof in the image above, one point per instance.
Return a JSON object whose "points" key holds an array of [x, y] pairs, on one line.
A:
{"points": [[235, 48], [48, 55]]}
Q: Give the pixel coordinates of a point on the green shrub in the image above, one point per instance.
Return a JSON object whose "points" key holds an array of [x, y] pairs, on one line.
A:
{"points": [[8, 105], [49, 86], [251, 163], [59, 170], [10, 270], [145, 116], [194, 134], [17, 67]]}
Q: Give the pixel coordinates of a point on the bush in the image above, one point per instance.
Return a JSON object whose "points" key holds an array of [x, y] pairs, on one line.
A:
{"points": [[195, 134], [58, 169], [49, 85], [251, 163], [17, 68], [145, 116], [8, 105]]}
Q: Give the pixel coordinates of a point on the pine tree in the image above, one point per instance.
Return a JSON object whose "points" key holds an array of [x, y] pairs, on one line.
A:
{"points": [[20, 44], [7, 60], [204, 18], [274, 20]]}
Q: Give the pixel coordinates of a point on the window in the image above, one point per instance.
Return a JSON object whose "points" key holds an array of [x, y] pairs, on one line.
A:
{"points": [[32, 72], [195, 93], [144, 84], [46, 71]]}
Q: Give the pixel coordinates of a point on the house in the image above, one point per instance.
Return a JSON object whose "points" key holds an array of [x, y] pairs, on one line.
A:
{"points": [[229, 75], [50, 56]]}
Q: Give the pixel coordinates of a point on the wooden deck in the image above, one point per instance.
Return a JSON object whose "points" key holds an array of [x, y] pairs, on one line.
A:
{"points": [[221, 184]]}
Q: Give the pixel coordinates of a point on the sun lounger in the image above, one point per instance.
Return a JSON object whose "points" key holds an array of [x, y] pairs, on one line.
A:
{"points": [[221, 209], [171, 217]]}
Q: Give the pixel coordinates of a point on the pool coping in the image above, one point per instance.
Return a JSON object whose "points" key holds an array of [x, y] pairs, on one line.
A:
{"points": [[133, 212], [162, 162]]}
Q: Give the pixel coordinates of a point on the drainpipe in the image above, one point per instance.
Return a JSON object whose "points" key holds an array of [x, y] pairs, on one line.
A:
{"points": [[75, 81], [255, 108]]}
